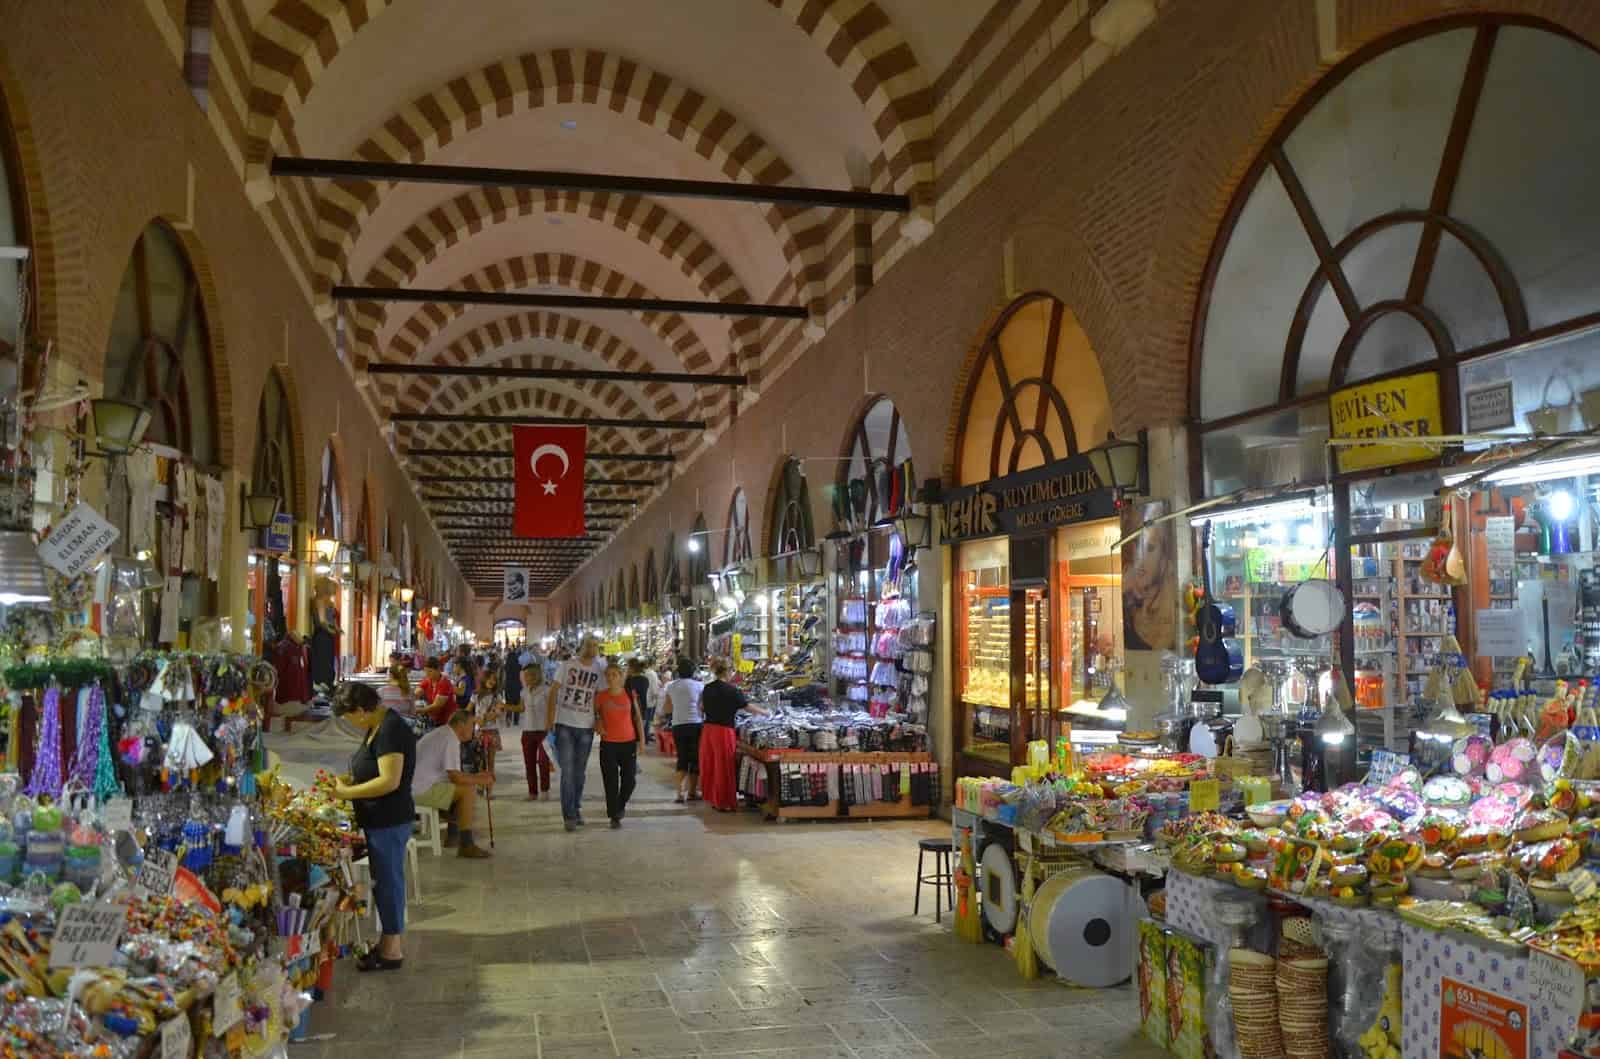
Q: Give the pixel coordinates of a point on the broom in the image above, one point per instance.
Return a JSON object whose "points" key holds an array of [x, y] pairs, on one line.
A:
{"points": [[1022, 942]]}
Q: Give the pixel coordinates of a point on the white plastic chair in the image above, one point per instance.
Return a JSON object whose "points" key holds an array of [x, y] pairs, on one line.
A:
{"points": [[429, 833]]}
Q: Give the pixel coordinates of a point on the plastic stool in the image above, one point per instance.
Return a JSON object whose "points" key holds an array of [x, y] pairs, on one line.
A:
{"points": [[428, 832], [940, 878], [667, 745]]}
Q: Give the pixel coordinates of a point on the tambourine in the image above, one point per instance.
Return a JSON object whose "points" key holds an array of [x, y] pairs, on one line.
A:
{"points": [[1312, 608]]}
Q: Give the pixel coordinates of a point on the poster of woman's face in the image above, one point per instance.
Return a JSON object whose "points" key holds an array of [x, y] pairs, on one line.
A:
{"points": [[1149, 580]]}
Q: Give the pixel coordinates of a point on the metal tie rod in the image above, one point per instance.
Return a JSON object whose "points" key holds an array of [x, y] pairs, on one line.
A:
{"points": [[600, 374], [526, 299]]}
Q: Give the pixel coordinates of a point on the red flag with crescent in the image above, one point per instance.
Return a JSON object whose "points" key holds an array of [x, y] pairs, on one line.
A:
{"points": [[549, 481]]}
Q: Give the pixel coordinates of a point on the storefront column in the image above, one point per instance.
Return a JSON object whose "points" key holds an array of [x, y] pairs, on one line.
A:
{"points": [[1143, 681], [233, 590]]}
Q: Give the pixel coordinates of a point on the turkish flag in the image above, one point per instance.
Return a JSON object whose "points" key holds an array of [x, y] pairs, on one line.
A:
{"points": [[549, 481]]}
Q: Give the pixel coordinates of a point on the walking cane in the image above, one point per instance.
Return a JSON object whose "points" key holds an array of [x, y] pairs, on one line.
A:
{"points": [[488, 807]]}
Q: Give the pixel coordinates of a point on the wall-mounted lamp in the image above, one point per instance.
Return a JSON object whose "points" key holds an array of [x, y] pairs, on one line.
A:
{"points": [[119, 426], [364, 571], [916, 530], [407, 593], [326, 548], [257, 510], [434, 610], [1119, 464]]}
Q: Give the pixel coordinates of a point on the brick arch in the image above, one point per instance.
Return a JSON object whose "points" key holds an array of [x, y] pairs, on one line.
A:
{"points": [[341, 485], [299, 503], [662, 230], [22, 158], [217, 346], [565, 270], [566, 75], [858, 37]]}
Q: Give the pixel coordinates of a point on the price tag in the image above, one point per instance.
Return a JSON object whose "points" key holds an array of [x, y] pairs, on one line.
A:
{"points": [[1558, 984], [158, 871], [117, 814], [87, 935], [1204, 794], [176, 1042], [226, 1009]]}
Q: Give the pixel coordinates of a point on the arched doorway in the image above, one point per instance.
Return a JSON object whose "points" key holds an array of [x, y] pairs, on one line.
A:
{"points": [[1419, 237], [510, 633], [158, 357], [1037, 596], [272, 567]]}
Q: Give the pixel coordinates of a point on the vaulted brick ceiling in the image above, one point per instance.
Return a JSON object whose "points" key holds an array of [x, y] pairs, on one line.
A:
{"points": [[832, 93]]}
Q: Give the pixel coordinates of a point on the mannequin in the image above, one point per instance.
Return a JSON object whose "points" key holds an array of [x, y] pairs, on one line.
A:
{"points": [[325, 633]]}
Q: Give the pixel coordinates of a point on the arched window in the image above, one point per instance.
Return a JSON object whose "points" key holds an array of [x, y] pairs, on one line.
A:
{"points": [[619, 593], [699, 546], [276, 464], [1430, 201], [878, 444], [330, 505], [405, 555], [736, 548], [671, 574], [1035, 393], [650, 587], [792, 530], [159, 352], [633, 587]]}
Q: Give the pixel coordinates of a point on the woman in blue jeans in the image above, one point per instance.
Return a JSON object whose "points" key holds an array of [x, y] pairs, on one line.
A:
{"points": [[379, 787]]}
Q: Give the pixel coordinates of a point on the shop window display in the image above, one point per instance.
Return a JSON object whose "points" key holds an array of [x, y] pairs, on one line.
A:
{"points": [[983, 648]]}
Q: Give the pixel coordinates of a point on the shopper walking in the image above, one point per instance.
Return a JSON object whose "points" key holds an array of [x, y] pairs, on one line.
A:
{"points": [[570, 712], [638, 688], [720, 703], [621, 729], [681, 710], [379, 787], [535, 759]]}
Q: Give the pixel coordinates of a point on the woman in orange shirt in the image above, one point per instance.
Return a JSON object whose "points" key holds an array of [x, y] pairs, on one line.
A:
{"points": [[616, 718]]}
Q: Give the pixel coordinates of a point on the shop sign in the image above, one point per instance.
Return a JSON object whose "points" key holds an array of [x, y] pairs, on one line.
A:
{"points": [[1407, 406], [1475, 1021], [77, 541], [280, 535], [87, 934], [1557, 985], [1057, 494], [1489, 408]]}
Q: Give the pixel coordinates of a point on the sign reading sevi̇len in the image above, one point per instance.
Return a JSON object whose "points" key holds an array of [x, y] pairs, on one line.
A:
{"points": [[1384, 411], [77, 541], [1057, 494]]}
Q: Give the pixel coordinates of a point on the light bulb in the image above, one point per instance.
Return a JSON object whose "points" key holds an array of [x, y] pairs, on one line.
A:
{"points": [[1306, 535], [1559, 504], [694, 545]]}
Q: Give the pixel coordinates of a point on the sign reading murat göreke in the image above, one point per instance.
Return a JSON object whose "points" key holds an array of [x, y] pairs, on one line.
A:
{"points": [[1057, 494], [1386, 410]]}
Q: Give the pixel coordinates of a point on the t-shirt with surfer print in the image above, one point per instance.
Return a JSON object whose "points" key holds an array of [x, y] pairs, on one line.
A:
{"points": [[577, 682]]}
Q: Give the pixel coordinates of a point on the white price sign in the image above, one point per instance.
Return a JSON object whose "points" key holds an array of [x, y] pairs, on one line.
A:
{"points": [[159, 870], [87, 935], [226, 1009], [1556, 985], [77, 541], [176, 1041]]}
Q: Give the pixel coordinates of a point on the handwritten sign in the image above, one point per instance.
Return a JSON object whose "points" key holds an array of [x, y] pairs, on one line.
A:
{"points": [[1557, 984], [176, 1041], [1500, 539], [1203, 795], [226, 1009], [87, 935], [77, 541], [117, 814], [158, 871], [1502, 633]]}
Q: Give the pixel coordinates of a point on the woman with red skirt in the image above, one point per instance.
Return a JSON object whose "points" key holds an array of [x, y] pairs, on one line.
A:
{"points": [[720, 703]]}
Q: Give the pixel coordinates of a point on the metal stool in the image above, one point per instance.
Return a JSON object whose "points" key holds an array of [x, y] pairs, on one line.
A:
{"points": [[941, 877]]}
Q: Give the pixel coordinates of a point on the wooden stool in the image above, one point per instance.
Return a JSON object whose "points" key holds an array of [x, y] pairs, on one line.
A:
{"points": [[940, 878]]}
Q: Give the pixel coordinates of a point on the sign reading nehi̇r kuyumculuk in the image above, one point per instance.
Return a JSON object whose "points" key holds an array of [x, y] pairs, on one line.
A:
{"points": [[1057, 494]]}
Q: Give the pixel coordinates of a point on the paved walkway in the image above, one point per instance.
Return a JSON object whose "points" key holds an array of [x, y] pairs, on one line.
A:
{"points": [[692, 933]]}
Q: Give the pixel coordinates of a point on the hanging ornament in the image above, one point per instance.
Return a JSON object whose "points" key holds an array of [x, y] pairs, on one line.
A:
{"points": [[46, 777], [85, 760]]}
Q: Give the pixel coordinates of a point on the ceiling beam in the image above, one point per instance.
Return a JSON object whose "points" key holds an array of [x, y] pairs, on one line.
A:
{"points": [[535, 300], [560, 180], [506, 454], [490, 371], [548, 421], [439, 479]]}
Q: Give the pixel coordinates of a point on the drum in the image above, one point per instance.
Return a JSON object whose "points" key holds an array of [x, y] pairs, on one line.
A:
{"points": [[997, 877], [1082, 927], [1312, 608]]}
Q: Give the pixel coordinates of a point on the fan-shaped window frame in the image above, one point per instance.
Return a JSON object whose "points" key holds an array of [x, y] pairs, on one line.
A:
{"points": [[700, 561], [1437, 227], [650, 585], [861, 462], [792, 527], [165, 365], [275, 469], [330, 498], [633, 588], [736, 546]]}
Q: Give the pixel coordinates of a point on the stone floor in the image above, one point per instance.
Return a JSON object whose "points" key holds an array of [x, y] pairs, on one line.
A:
{"points": [[692, 933]]}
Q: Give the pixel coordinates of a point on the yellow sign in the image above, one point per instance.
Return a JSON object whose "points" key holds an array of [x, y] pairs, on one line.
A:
{"points": [[1204, 794], [1406, 406]]}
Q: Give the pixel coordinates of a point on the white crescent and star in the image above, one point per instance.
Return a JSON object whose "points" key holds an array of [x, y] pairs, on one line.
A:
{"points": [[560, 453]]}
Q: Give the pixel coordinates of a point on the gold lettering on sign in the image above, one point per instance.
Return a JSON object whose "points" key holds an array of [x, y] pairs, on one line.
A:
{"points": [[1056, 488], [973, 516]]}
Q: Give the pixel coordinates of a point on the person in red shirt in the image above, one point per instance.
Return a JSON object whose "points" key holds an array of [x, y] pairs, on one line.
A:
{"points": [[437, 692], [616, 718]]}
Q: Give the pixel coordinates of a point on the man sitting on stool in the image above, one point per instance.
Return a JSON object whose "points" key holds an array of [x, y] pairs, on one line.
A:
{"points": [[439, 783]]}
